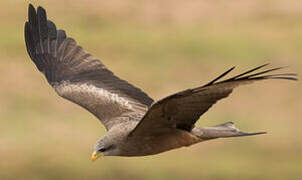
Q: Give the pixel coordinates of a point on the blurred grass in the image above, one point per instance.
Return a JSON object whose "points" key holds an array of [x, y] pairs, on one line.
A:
{"points": [[162, 47]]}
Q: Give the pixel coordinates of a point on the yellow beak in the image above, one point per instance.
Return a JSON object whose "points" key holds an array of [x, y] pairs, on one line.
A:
{"points": [[95, 156]]}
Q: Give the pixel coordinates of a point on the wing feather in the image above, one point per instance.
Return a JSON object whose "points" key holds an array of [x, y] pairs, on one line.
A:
{"points": [[183, 109], [78, 76]]}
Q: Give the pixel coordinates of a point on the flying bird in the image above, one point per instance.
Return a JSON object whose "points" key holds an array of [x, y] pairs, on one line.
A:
{"points": [[136, 124]]}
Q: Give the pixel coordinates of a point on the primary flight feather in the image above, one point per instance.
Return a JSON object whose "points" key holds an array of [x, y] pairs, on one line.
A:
{"points": [[137, 126]]}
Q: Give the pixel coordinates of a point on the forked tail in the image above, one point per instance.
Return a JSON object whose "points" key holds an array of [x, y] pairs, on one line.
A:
{"points": [[224, 130]]}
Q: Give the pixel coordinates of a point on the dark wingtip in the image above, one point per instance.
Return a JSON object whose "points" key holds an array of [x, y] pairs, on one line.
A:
{"points": [[286, 78], [261, 75], [221, 76], [30, 6], [247, 72], [259, 67], [42, 22], [40, 8], [31, 12]]}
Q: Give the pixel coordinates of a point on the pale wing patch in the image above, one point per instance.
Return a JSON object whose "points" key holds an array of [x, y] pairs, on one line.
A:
{"points": [[101, 102], [85, 90]]}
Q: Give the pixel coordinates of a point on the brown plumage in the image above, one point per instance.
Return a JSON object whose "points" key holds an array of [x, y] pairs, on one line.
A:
{"points": [[136, 125]]}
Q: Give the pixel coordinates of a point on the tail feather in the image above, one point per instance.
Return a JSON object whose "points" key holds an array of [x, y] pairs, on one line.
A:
{"points": [[224, 130]]}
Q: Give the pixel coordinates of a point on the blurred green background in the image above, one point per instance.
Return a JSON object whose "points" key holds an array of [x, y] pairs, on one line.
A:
{"points": [[162, 47]]}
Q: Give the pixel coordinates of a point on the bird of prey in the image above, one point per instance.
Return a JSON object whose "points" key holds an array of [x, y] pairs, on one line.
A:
{"points": [[136, 125]]}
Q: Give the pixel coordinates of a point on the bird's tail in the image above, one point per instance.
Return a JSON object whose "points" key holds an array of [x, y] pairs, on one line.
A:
{"points": [[224, 130]]}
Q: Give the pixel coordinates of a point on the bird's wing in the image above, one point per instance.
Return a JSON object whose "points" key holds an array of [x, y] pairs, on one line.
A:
{"points": [[78, 76], [183, 109]]}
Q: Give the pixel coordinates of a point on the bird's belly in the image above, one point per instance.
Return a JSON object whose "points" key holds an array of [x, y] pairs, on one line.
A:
{"points": [[154, 144]]}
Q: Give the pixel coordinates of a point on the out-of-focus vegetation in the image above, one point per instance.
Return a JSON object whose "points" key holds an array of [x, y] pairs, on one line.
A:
{"points": [[162, 47]]}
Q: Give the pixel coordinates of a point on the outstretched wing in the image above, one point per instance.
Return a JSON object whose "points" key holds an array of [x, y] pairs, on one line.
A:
{"points": [[183, 109], [77, 76]]}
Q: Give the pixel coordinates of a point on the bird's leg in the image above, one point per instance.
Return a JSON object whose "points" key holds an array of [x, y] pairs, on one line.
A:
{"points": [[224, 130]]}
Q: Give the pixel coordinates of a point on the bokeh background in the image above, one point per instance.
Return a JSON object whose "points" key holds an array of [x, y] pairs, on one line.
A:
{"points": [[162, 47]]}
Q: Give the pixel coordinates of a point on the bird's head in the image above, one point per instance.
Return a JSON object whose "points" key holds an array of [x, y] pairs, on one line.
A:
{"points": [[106, 146], [115, 142]]}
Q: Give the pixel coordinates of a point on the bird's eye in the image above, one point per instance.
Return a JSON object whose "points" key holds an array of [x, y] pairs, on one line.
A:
{"points": [[102, 150], [107, 148]]}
